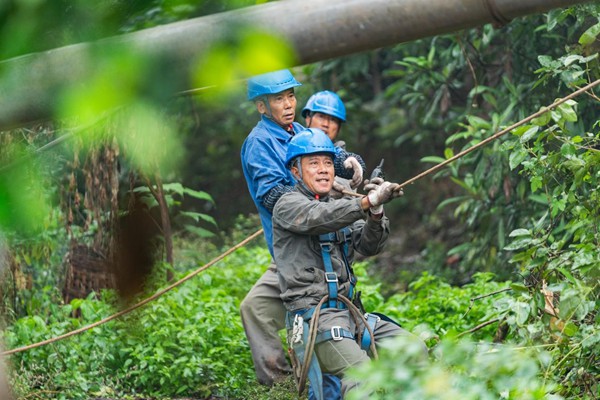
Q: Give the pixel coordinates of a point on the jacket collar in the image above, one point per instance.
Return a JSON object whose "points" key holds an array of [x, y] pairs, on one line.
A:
{"points": [[276, 130], [302, 188]]}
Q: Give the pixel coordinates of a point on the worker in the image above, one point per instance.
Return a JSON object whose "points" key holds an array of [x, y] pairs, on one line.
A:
{"points": [[315, 239], [263, 163], [326, 111]]}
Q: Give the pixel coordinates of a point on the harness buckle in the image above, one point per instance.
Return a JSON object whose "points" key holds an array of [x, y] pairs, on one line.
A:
{"points": [[297, 330], [377, 317], [336, 333], [343, 235], [331, 277], [326, 246]]}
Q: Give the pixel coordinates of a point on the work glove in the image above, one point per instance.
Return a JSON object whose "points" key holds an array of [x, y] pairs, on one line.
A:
{"points": [[340, 188], [337, 190], [381, 192], [353, 164]]}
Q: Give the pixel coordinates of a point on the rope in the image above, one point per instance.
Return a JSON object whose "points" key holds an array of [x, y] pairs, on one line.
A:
{"points": [[312, 336], [141, 303], [491, 138], [502, 132], [310, 345], [260, 231]]}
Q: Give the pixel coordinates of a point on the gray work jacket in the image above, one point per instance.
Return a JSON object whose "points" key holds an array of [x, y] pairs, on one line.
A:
{"points": [[298, 220]]}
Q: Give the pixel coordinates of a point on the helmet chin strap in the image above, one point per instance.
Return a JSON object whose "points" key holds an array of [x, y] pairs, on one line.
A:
{"points": [[269, 113], [299, 166]]}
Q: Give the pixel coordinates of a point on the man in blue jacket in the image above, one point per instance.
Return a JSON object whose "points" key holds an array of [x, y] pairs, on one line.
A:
{"points": [[263, 162]]}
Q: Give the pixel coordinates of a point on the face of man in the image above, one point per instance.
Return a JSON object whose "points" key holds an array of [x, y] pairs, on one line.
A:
{"points": [[325, 122], [281, 108], [317, 173]]}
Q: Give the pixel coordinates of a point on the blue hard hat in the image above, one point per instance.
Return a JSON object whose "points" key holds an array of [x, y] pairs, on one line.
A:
{"points": [[271, 83], [309, 141], [325, 102]]}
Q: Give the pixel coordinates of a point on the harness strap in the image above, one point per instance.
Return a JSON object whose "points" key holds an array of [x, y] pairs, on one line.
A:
{"points": [[330, 275], [372, 320], [327, 241], [335, 333]]}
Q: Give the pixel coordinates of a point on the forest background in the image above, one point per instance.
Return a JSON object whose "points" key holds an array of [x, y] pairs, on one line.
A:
{"points": [[493, 260]]}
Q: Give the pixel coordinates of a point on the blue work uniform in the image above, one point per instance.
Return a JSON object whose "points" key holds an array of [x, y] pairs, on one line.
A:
{"points": [[263, 163]]}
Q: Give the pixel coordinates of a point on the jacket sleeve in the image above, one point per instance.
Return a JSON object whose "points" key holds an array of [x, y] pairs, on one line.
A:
{"points": [[271, 197], [371, 237], [266, 172], [299, 214]]}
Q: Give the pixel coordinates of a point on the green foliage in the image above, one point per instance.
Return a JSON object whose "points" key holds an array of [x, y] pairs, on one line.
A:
{"points": [[446, 309], [528, 203], [458, 370], [525, 207], [558, 247], [187, 343], [175, 193]]}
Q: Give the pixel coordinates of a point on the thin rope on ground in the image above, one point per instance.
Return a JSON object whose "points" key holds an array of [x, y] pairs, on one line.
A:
{"points": [[141, 303]]}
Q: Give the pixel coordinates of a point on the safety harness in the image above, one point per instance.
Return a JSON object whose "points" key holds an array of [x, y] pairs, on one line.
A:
{"points": [[303, 323]]}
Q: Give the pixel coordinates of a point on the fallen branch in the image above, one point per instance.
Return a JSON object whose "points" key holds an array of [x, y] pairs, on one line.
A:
{"points": [[483, 296], [480, 326]]}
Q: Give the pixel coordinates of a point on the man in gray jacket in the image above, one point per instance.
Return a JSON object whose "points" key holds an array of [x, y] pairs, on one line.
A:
{"points": [[314, 241]]}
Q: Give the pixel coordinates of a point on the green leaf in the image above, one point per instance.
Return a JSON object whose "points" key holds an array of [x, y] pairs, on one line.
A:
{"points": [[548, 62], [589, 36], [570, 329], [448, 153], [519, 287], [538, 198], [567, 275], [198, 195], [520, 232], [571, 59], [201, 232], [173, 187], [516, 157], [478, 123], [519, 243], [536, 183], [567, 112], [543, 119], [522, 311], [520, 130], [433, 159], [451, 201], [208, 218], [529, 133], [568, 150]]}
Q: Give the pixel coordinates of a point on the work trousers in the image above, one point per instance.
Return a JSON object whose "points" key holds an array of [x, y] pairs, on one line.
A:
{"points": [[263, 316], [335, 357]]}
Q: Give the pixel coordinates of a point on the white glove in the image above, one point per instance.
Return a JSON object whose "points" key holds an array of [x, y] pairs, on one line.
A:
{"points": [[353, 164], [337, 190], [381, 192], [372, 184]]}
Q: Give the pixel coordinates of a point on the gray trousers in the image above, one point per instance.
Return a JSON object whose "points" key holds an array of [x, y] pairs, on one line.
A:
{"points": [[335, 357], [263, 316]]}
